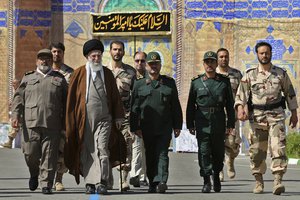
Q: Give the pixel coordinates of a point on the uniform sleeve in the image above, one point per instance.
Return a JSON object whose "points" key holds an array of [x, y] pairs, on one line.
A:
{"points": [[176, 108], [243, 91], [190, 109], [230, 106], [134, 109], [289, 92], [18, 101]]}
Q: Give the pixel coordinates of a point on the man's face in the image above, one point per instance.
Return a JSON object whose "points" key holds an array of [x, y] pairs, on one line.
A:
{"points": [[223, 59], [140, 62], [117, 52], [264, 55], [58, 55], [95, 56], [153, 68], [44, 62], [210, 65]]}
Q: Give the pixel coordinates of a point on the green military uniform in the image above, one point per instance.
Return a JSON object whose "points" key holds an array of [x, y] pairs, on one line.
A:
{"points": [[205, 113], [156, 110]]}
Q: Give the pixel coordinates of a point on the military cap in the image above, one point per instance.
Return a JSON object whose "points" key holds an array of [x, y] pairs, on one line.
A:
{"points": [[153, 57], [44, 52], [91, 45], [210, 55]]}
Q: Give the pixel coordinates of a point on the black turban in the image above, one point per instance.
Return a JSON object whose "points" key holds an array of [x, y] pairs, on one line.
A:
{"points": [[93, 44]]}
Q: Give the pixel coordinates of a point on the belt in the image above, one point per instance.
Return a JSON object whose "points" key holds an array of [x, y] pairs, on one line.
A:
{"points": [[268, 106], [210, 109]]}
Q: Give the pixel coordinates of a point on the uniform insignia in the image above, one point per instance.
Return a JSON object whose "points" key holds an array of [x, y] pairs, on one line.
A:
{"points": [[195, 77], [204, 78], [153, 57], [29, 72], [148, 81], [250, 69], [210, 54]]}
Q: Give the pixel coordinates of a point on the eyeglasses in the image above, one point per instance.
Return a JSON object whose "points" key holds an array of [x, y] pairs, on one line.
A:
{"points": [[137, 61]]}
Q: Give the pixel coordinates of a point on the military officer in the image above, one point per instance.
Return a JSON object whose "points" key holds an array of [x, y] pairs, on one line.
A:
{"points": [[205, 116], [265, 87], [232, 139], [41, 100], [155, 111]]}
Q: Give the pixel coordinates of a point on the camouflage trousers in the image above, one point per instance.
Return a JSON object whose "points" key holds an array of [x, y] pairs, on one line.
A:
{"points": [[264, 138], [125, 130], [61, 167], [232, 141]]}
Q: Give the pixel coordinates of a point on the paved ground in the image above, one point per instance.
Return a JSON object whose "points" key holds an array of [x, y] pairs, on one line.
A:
{"points": [[184, 182]]}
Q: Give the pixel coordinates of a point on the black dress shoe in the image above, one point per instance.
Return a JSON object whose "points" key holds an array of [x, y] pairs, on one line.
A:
{"points": [[217, 183], [90, 189], [135, 181], [33, 183], [46, 190], [162, 187], [101, 189]]}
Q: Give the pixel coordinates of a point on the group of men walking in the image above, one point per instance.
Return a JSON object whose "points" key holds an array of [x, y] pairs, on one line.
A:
{"points": [[84, 120]]}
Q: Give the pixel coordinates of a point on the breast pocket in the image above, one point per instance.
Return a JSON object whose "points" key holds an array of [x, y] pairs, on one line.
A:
{"points": [[258, 88], [143, 95], [31, 85], [31, 111], [165, 96]]}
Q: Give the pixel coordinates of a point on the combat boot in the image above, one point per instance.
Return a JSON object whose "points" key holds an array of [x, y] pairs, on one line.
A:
{"points": [[207, 185], [9, 142], [124, 184], [217, 183], [58, 182], [259, 185], [221, 176], [230, 168], [278, 187]]}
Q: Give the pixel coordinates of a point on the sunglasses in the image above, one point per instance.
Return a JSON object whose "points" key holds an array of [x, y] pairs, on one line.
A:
{"points": [[142, 61]]}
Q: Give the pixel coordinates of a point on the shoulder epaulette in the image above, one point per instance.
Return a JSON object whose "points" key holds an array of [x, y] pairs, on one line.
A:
{"points": [[29, 72], [196, 77], [283, 69], [58, 73]]}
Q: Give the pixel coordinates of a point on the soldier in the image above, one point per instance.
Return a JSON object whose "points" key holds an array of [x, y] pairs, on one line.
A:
{"points": [[155, 111], [262, 87], [58, 52], [138, 175], [14, 131], [205, 116], [41, 100], [123, 74], [232, 139]]}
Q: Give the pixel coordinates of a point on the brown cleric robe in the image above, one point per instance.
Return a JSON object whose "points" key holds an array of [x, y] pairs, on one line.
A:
{"points": [[76, 118]]}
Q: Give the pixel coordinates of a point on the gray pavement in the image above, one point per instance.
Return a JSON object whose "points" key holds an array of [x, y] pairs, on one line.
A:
{"points": [[184, 182]]}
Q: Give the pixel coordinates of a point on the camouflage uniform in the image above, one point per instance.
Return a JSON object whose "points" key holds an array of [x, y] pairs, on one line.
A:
{"points": [[267, 120], [233, 139]]}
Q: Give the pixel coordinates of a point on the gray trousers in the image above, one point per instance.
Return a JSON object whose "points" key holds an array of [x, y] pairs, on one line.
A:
{"points": [[138, 164], [95, 153], [40, 147]]}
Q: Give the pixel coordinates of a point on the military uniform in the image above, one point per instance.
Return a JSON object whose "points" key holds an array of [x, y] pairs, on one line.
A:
{"points": [[233, 139], [41, 100], [124, 78], [156, 110], [205, 113], [267, 120]]}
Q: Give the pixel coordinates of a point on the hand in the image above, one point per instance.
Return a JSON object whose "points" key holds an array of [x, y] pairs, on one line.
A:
{"points": [[192, 131], [118, 124], [15, 123], [177, 132], [242, 113], [293, 119], [139, 133]]}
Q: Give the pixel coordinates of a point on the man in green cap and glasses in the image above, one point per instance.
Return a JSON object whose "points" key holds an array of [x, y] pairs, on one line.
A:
{"points": [[209, 94], [155, 113]]}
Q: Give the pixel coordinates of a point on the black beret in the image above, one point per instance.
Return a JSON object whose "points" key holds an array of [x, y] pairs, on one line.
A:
{"points": [[93, 44]]}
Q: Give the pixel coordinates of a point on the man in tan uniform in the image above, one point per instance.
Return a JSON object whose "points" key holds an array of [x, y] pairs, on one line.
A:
{"points": [[264, 88], [58, 51], [40, 104], [14, 131], [138, 175], [124, 75], [232, 139]]}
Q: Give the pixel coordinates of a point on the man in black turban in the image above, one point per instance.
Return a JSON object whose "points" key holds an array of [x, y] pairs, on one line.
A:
{"points": [[94, 108]]}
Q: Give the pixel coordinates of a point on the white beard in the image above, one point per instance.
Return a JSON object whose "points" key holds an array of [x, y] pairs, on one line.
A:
{"points": [[95, 66], [44, 68]]}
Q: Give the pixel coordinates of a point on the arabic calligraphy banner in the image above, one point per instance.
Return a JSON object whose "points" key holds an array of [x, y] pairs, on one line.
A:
{"points": [[149, 23]]}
